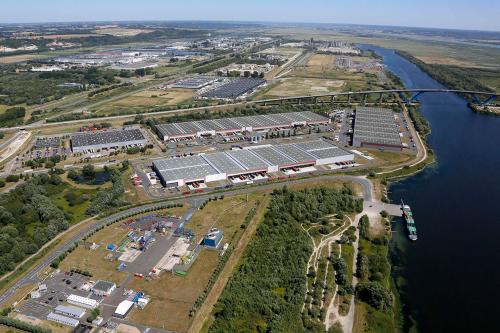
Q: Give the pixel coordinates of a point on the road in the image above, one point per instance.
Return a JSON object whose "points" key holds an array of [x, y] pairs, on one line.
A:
{"points": [[32, 275], [41, 125]]}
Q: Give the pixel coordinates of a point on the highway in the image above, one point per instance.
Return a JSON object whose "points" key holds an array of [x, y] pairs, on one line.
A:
{"points": [[40, 125], [32, 275]]}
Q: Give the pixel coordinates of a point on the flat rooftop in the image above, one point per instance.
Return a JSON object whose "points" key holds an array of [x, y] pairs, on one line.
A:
{"points": [[106, 137], [243, 161], [234, 88], [192, 128], [376, 126]]}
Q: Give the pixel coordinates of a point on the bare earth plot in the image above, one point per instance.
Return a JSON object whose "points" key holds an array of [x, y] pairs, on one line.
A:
{"points": [[147, 99], [304, 86]]}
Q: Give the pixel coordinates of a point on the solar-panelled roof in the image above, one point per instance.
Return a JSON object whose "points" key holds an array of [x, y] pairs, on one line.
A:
{"points": [[239, 123], [247, 159], [272, 156], [241, 161], [295, 153], [234, 88], [223, 163], [109, 137], [376, 126]]}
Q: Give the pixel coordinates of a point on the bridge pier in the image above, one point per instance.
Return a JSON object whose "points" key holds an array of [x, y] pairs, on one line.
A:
{"points": [[364, 99], [333, 99], [380, 97], [349, 98]]}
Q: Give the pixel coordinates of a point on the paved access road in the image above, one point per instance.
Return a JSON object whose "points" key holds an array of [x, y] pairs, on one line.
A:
{"points": [[32, 275]]}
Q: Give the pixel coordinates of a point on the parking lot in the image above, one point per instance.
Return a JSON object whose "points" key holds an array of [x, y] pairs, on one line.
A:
{"points": [[59, 287]]}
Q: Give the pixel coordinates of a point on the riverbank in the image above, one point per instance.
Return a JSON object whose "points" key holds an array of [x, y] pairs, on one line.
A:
{"points": [[453, 77], [455, 214]]}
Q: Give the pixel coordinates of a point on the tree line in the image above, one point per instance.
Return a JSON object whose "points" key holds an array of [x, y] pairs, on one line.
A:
{"points": [[267, 291]]}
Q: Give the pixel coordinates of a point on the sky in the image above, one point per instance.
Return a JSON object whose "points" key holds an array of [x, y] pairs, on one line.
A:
{"points": [[459, 14]]}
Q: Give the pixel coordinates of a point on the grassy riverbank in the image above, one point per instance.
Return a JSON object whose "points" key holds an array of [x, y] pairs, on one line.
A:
{"points": [[458, 77]]}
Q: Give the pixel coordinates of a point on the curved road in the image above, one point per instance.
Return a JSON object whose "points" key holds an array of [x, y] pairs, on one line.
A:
{"points": [[32, 275]]}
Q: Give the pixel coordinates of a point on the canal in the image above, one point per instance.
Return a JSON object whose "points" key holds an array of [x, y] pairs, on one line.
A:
{"points": [[452, 273]]}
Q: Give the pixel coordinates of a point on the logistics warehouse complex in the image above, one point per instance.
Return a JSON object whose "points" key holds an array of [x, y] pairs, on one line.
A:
{"points": [[112, 139], [238, 124], [266, 158], [376, 127]]}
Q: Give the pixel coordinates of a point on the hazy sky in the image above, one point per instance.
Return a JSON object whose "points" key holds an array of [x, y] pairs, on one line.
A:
{"points": [[464, 14]]}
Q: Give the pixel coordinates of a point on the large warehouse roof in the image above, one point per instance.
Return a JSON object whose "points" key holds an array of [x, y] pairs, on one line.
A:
{"points": [[109, 137], [193, 128], [234, 88], [238, 162], [375, 126]]}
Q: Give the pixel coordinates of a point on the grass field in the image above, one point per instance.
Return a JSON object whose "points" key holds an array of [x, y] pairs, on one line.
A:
{"points": [[94, 260], [319, 76], [143, 100], [303, 86]]}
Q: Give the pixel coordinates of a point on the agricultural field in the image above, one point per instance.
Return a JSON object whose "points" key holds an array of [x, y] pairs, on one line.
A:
{"points": [[117, 31], [319, 76], [304, 86], [142, 101]]}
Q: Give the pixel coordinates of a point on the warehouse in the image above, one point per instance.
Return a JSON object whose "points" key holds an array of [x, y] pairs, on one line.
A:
{"points": [[235, 88], [376, 128], [123, 309], [213, 238], [195, 82], [70, 311], [225, 126], [112, 139], [62, 319], [83, 302], [265, 158], [103, 288]]}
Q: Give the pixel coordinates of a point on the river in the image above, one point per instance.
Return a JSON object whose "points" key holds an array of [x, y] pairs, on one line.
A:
{"points": [[452, 273]]}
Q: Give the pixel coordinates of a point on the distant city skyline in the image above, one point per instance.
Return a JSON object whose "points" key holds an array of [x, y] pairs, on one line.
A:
{"points": [[458, 14]]}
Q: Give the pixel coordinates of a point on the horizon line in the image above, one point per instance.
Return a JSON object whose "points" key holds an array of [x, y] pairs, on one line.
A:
{"points": [[246, 21]]}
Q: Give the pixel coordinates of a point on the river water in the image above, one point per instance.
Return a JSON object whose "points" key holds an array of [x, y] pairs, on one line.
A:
{"points": [[452, 273]]}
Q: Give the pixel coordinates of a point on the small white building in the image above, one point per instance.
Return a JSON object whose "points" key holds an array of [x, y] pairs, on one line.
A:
{"points": [[84, 302], [142, 302], [60, 319], [103, 288], [70, 311]]}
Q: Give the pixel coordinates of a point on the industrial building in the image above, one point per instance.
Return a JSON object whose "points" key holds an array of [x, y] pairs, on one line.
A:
{"points": [[195, 82], [103, 288], [123, 309], [225, 126], [213, 238], [112, 139], [60, 319], [84, 302], [70, 311], [376, 128], [264, 159], [234, 89]]}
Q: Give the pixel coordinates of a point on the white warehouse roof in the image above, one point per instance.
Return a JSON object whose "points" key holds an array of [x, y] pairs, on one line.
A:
{"points": [[63, 319], [89, 302], [123, 308], [70, 310]]}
